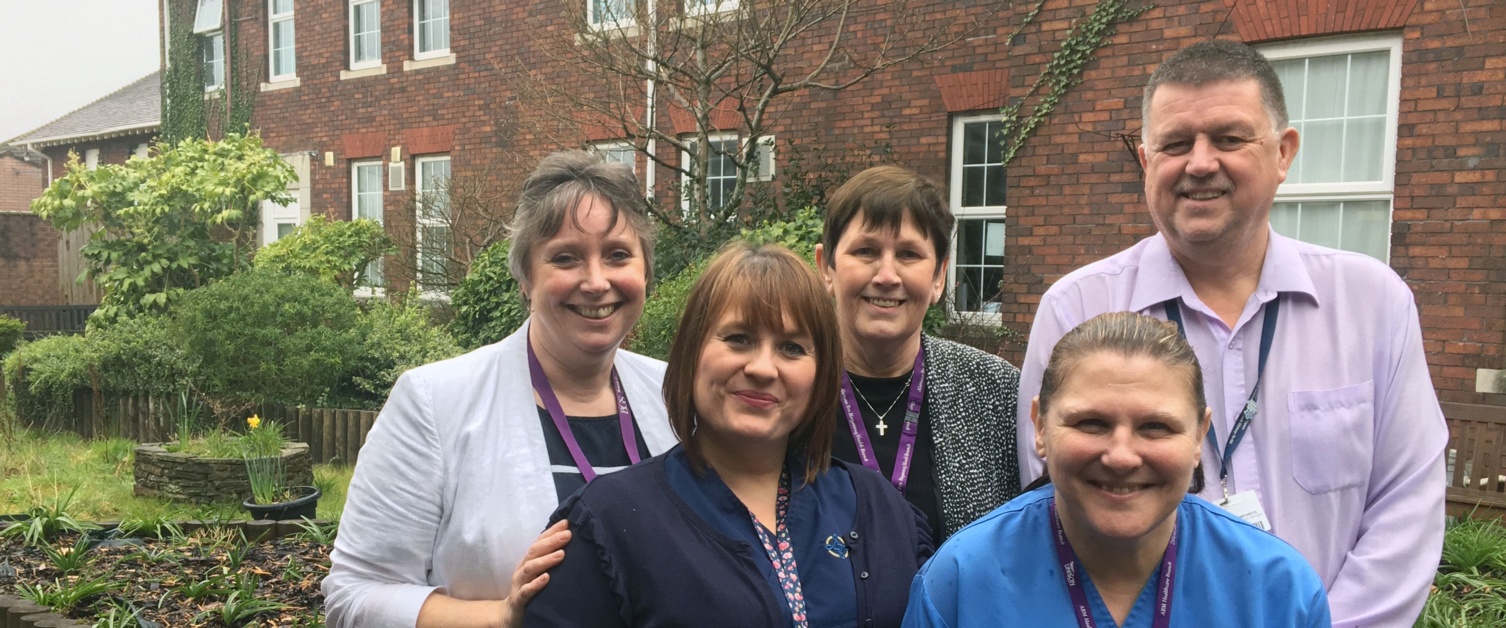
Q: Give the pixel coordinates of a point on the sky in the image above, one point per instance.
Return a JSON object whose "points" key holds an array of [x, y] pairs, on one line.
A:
{"points": [[59, 55]]}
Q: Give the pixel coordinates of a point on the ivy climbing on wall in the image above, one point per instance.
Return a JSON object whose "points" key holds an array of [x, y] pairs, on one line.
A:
{"points": [[187, 110], [1086, 37]]}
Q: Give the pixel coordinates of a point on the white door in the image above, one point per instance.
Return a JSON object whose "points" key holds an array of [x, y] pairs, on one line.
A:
{"points": [[279, 220]]}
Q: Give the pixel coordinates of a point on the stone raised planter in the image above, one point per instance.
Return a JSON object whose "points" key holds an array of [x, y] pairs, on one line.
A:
{"points": [[162, 473]]}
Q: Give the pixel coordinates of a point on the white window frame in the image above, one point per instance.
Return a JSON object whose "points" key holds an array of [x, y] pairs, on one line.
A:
{"points": [[1385, 188], [208, 17], [685, 159], [418, 52], [698, 8], [623, 22], [351, 35], [765, 155], [295, 213], [273, 20], [378, 288], [610, 149], [91, 158], [142, 151], [420, 221], [214, 40], [961, 213]]}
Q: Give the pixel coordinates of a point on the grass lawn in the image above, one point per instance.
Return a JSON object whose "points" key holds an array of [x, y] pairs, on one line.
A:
{"points": [[43, 469]]}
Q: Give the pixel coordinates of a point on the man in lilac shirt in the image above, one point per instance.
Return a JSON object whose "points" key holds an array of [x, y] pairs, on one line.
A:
{"points": [[1343, 451]]}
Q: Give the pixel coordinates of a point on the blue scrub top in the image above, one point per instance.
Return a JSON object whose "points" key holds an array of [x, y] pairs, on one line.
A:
{"points": [[1002, 570]]}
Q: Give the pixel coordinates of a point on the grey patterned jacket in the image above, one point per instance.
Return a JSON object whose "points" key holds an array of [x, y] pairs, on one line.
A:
{"points": [[971, 398]]}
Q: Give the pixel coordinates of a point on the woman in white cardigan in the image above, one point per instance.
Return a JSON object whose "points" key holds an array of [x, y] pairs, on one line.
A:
{"points": [[470, 455]]}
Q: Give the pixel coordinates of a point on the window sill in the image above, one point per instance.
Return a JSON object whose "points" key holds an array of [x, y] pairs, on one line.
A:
{"points": [[285, 83], [605, 32], [214, 92], [410, 65], [377, 70], [366, 292]]}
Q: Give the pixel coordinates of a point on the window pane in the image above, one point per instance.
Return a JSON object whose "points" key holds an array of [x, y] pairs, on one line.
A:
{"points": [[214, 60], [974, 139], [433, 186], [207, 18], [1367, 228], [972, 186], [979, 263], [1284, 219], [995, 187], [282, 48], [1327, 82], [1293, 75], [433, 25], [367, 30], [994, 150], [1364, 147], [434, 254], [1324, 145], [282, 6], [285, 228], [369, 191], [1319, 223], [1368, 77]]}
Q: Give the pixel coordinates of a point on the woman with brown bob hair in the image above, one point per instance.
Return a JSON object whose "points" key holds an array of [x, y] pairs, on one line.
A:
{"points": [[748, 518]]}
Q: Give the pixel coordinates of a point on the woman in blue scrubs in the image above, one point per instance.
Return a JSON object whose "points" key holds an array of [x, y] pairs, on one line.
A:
{"points": [[1113, 538], [749, 521]]}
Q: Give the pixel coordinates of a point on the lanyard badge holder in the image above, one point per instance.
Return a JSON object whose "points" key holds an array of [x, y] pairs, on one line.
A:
{"points": [[1245, 504]]}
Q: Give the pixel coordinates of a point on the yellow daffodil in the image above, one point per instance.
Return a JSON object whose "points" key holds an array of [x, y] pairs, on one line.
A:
{"points": [[254, 421]]}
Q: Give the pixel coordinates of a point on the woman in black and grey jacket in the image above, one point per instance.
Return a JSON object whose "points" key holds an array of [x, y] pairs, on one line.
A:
{"points": [[935, 417]]}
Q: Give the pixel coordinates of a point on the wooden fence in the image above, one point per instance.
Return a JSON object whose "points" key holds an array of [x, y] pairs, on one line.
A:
{"points": [[46, 320], [1476, 459], [334, 436]]}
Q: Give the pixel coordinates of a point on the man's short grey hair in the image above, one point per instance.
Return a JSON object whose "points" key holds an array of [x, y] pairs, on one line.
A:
{"points": [[1214, 61], [554, 190]]}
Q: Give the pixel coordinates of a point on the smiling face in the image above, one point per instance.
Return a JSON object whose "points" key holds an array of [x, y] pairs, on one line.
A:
{"points": [[883, 282], [1212, 165], [1121, 437], [586, 285], [752, 385]]}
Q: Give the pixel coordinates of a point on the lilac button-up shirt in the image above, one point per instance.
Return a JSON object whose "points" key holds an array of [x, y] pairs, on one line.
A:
{"points": [[1346, 451]]}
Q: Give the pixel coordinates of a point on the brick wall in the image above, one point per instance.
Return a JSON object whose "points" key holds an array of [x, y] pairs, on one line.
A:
{"points": [[1075, 192], [20, 182], [28, 261]]}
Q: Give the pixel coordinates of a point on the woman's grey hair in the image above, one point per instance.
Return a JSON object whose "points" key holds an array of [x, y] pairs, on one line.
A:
{"points": [[1130, 335], [554, 190], [1217, 60]]}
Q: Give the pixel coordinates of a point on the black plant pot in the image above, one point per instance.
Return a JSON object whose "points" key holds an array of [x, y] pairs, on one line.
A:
{"points": [[304, 505]]}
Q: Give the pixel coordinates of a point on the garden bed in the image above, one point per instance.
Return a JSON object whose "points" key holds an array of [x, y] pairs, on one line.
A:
{"points": [[210, 576]]}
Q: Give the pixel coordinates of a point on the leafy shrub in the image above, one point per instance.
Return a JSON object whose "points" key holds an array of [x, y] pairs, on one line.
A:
{"points": [[140, 355], [330, 250], [266, 337], [655, 331], [397, 338], [41, 376], [10, 333], [488, 305]]}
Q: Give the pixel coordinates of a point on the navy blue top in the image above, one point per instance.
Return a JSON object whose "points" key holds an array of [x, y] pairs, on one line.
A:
{"points": [[660, 544], [600, 439]]}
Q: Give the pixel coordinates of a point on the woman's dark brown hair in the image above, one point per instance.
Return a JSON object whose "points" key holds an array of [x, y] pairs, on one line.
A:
{"points": [[766, 284], [885, 195]]}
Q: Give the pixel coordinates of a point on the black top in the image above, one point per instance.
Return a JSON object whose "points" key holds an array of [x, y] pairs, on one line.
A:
{"points": [[883, 392], [600, 439]]}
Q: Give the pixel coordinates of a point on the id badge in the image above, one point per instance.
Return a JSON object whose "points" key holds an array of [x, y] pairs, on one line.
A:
{"points": [[1246, 505]]}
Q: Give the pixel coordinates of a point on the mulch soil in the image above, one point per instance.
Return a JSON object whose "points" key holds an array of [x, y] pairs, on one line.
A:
{"points": [[184, 582]]}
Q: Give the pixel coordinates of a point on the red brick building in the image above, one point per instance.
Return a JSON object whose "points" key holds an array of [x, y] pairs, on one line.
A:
{"points": [[28, 276], [42, 264], [1399, 102]]}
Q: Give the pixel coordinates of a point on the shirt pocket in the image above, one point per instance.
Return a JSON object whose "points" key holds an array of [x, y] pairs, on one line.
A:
{"points": [[1333, 436]]}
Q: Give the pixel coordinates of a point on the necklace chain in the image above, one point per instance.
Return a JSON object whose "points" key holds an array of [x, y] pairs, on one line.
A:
{"points": [[886, 412]]}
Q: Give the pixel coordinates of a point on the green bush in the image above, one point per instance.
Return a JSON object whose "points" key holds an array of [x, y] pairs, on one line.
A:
{"points": [[10, 333], [40, 377], [267, 337], [140, 355], [397, 338], [330, 250], [488, 304], [655, 331]]}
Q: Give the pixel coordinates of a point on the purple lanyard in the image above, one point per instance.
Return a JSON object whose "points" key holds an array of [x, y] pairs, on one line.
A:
{"points": [[907, 434], [557, 414], [1074, 575]]}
